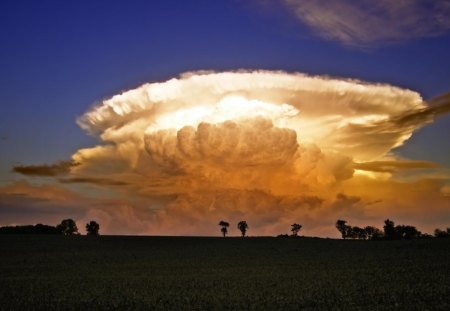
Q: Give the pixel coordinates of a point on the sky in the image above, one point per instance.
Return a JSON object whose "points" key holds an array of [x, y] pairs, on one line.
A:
{"points": [[165, 117]]}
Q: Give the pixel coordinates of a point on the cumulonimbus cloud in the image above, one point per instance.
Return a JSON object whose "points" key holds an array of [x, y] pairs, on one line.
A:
{"points": [[366, 23], [325, 111], [266, 146]]}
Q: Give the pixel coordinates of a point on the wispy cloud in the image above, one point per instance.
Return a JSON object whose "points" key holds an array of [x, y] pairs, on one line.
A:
{"points": [[93, 180], [393, 166], [368, 23], [60, 168]]}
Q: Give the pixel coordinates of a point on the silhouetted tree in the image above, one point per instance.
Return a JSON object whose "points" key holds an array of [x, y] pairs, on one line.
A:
{"points": [[242, 226], [398, 232], [406, 232], [343, 228], [30, 229], [92, 228], [426, 236], [389, 229], [438, 233], [224, 228], [295, 228], [68, 227], [358, 233], [283, 235], [373, 233], [350, 232]]}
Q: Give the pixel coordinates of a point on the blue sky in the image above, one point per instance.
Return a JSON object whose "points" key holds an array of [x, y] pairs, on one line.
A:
{"points": [[57, 58]]}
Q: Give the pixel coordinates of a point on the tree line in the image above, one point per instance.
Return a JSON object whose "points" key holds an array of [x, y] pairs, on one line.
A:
{"points": [[390, 232], [66, 227], [243, 227]]}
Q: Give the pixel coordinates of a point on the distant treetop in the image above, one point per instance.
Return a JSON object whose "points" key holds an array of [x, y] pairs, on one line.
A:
{"points": [[68, 227], [92, 228]]}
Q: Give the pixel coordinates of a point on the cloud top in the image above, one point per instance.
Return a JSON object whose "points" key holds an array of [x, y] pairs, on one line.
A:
{"points": [[325, 111]]}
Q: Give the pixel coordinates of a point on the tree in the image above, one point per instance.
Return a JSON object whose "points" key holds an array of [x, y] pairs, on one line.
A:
{"points": [[389, 229], [392, 232], [67, 227], [358, 233], [92, 228], [295, 229], [438, 233], [407, 232], [242, 226], [373, 233], [343, 228], [30, 229], [224, 228]]}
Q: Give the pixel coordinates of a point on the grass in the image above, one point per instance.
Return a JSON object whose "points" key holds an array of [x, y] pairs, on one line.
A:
{"points": [[178, 273]]}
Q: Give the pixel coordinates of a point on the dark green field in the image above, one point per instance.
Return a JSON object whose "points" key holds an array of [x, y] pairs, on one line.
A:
{"points": [[111, 272]]}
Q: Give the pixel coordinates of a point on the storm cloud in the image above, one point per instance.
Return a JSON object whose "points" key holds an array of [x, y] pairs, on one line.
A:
{"points": [[267, 146]]}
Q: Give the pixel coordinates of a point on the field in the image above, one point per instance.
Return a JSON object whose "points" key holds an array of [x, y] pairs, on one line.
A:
{"points": [[159, 273]]}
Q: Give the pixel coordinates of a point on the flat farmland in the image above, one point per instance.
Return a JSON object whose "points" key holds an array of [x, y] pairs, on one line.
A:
{"points": [[40, 272]]}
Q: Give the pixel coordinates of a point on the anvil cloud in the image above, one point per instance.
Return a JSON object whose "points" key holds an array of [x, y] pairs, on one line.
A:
{"points": [[269, 147]]}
